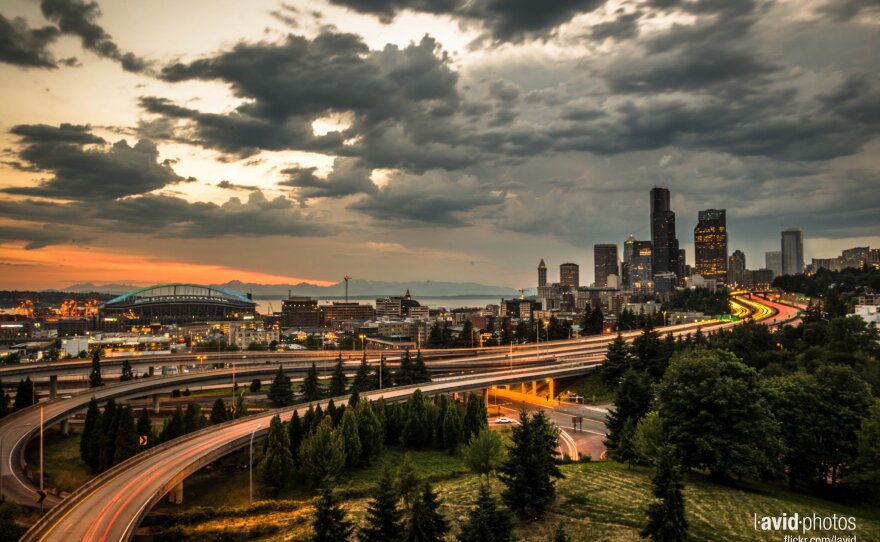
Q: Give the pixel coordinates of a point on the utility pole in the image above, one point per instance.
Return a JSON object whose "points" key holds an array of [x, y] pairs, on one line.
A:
{"points": [[346, 278]]}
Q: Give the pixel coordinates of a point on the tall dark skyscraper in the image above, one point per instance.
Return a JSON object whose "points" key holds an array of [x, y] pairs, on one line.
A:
{"points": [[604, 263], [736, 269], [663, 241], [792, 251], [569, 276], [542, 273], [710, 245]]}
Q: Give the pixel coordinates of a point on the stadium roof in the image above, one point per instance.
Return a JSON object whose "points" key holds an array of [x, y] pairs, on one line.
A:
{"points": [[180, 291]]}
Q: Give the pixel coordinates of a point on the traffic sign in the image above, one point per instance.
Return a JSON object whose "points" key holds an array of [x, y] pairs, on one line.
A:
{"points": [[40, 496], [143, 440], [231, 409]]}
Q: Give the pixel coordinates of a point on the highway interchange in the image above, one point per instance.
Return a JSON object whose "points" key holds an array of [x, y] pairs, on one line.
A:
{"points": [[111, 506]]}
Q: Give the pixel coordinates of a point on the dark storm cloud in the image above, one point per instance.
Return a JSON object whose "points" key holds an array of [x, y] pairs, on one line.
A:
{"points": [[691, 71], [432, 199], [78, 18], [238, 133], [23, 46], [347, 178], [173, 217], [35, 238], [228, 185], [846, 10], [504, 20], [287, 86], [625, 26], [84, 168]]}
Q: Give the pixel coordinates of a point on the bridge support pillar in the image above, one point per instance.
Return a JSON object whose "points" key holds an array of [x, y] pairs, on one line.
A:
{"points": [[156, 403], [486, 397], [53, 386], [152, 371], [522, 388], [534, 387], [180, 369], [550, 385], [175, 496], [65, 427]]}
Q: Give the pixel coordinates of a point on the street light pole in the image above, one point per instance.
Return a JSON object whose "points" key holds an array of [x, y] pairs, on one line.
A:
{"points": [[251, 467], [233, 391]]}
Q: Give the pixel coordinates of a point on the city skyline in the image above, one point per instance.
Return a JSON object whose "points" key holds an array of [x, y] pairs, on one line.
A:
{"points": [[306, 142]]}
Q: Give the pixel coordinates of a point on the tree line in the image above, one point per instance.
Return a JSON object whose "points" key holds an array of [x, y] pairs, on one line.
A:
{"points": [[798, 405], [406, 509]]}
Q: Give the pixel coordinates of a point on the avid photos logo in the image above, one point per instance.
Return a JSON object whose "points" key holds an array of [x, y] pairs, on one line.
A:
{"points": [[809, 528]]}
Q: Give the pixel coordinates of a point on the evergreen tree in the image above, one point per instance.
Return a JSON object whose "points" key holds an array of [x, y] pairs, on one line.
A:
{"points": [[416, 427], [322, 454], [175, 426], [420, 371], [241, 409], [295, 435], [650, 353], [407, 481], [126, 435], [666, 521], [330, 523], [145, 427], [632, 400], [404, 374], [127, 373], [362, 380], [484, 452], [95, 379], [354, 398], [369, 430], [276, 468], [425, 522], [351, 441], [530, 467], [311, 387], [486, 522], [466, 336], [337, 381], [218, 411], [475, 417], [452, 427], [24, 394], [90, 432], [384, 521], [192, 418], [618, 360], [108, 425], [281, 391]]}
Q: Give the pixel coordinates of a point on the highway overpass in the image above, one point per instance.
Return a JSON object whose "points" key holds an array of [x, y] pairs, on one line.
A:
{"points": [[111, 505]]}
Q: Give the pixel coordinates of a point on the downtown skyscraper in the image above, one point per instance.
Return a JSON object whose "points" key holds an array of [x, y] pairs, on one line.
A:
{"points": [[605, 263], [663, 241], [710, 245], [792, 251]]}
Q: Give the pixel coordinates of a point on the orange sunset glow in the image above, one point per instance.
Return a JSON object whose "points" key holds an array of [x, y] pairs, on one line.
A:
{"points": [[54, 266]]}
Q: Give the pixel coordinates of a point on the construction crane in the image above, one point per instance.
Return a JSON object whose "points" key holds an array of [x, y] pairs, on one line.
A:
{"points": [[346, 278], [522, 293]]}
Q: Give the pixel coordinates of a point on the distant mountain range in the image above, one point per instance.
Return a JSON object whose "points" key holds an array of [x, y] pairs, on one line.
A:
{"points": [[356, 289]]}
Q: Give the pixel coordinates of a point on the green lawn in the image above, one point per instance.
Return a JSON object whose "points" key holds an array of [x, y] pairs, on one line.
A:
{"points": [[600, 501], [64, 469]]}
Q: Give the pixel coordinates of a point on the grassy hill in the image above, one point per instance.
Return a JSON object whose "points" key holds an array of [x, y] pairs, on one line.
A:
{"points": [[601, 501]]}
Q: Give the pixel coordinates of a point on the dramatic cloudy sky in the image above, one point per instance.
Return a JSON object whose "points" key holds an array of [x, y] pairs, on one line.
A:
{"points": [[423, 139]]}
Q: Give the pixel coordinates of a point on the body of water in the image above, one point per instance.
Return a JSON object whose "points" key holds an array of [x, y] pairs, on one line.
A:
{"points": [[265, 306]]}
